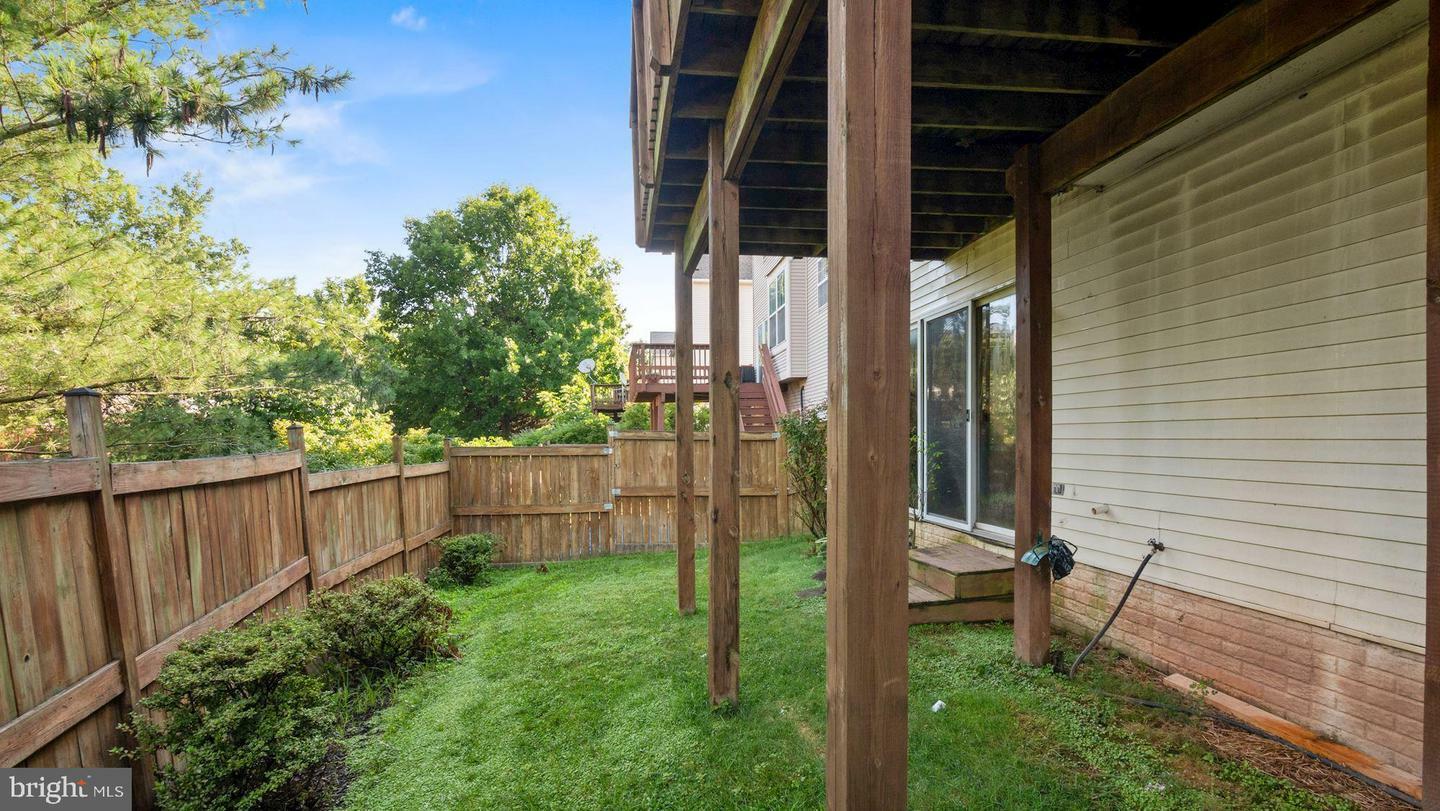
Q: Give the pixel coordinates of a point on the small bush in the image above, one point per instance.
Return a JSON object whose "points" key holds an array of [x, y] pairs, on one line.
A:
{"points": [[635, 417], [805, 451], [423, 445], [465, 560], [567, 429], [242, 715], [702, 416], [382, 626]]}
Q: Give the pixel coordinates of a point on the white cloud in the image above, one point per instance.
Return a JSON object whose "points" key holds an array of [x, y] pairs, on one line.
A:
{"points": [[409, 19], [324, 132]]}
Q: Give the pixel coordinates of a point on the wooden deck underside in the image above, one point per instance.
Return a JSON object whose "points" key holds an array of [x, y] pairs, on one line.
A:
{"points": [[960, 583]]}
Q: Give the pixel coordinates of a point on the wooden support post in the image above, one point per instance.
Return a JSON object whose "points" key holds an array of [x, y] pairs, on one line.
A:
{"points": [[1430, 758], [657, 413], [724, 215], [295, 438], [397, 453], [1032, 405], [868, 190], [684, 437], [112, 552]]}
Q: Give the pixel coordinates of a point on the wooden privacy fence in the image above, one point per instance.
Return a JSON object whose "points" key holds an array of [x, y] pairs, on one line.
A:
{"points": [[105, 569], [575, 501]]}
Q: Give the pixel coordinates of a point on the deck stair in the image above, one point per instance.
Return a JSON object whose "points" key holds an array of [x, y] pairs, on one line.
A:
{"points": [[755, 413], [957, 582]]}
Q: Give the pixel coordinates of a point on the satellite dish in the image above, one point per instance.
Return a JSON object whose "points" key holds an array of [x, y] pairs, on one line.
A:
{"points": [[587, 366]]}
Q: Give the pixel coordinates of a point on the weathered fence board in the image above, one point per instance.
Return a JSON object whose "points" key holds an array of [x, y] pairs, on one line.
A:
{"points": [[644, 490], [211, 542], [357, 525], [55, 648], [548, 503]]}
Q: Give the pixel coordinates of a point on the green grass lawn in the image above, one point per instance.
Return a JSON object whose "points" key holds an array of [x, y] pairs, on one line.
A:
{"points": [[583, 688]]}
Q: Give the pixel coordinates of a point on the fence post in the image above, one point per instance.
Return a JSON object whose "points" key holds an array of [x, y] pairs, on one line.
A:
{"points": [[397, 451], [117, 584], [295, 437], [450, 485]]}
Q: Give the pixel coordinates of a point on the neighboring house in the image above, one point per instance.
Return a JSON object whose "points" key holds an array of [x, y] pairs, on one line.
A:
{"points": [[700, 285], [650, 375], [791, 307]]}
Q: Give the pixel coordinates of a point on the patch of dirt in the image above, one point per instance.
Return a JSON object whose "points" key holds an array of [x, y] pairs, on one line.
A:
{"points": [[324, 786], [1281, 761], [1274, 759], [805, 594]]}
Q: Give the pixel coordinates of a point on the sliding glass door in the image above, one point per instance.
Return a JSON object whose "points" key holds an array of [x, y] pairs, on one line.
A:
{"points": [[947, 415], [964, 410], [995, 423]]}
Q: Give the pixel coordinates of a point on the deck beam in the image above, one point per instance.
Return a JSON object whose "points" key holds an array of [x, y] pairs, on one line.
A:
{"points": [[723, 203], [867, 617], [778, 32]]}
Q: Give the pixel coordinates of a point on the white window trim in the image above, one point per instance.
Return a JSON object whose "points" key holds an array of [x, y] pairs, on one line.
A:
{"points": [[776, 274], [970, 524], [822, 279]]}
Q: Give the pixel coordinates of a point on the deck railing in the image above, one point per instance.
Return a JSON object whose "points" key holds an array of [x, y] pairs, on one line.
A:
{"points": [[654, 365], [607, 397]]}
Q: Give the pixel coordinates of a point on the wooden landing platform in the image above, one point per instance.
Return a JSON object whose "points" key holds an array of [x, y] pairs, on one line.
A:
{"points": [[960, 583]]}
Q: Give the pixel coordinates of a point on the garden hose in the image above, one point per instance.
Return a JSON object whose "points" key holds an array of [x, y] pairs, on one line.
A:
{"points": [[1155, 548]]}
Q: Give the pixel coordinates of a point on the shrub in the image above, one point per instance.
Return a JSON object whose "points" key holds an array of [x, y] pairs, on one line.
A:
{"points": [[465, 560], [382, 626], [702, 416], [422, 445], [636, 417], [241, 714], [568, 429], [804, 433]]}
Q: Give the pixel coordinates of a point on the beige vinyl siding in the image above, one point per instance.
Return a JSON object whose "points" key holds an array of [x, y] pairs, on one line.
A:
{"points": [[800, 279], [986, 266], [765, 270], [1238, 367], [817, 365], [700, 301]]}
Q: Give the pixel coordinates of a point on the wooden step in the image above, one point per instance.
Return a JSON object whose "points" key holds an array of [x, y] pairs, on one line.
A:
{"points": [[930, 606], [963, 572]]}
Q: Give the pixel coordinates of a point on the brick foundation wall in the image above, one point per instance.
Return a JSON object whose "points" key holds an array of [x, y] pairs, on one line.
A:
{"points": [[1361, 693]]}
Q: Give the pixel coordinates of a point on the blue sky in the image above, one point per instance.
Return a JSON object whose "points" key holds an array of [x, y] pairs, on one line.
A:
{"points": [[447, 98]]}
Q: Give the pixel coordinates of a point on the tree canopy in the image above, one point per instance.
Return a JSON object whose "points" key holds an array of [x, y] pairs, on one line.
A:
{"points": [[495, 302]]}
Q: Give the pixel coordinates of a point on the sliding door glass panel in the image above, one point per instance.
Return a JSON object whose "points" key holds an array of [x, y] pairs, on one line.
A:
{"points": [[946, 413], [995, 429], [914, 415]]}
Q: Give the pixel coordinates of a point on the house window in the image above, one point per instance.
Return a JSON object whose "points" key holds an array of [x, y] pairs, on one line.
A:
{"points": [[775, 313], [822, 282], [964, 407]]}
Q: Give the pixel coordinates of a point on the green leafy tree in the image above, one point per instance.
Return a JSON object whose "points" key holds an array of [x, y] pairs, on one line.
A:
{"points": [[493, 303]]}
